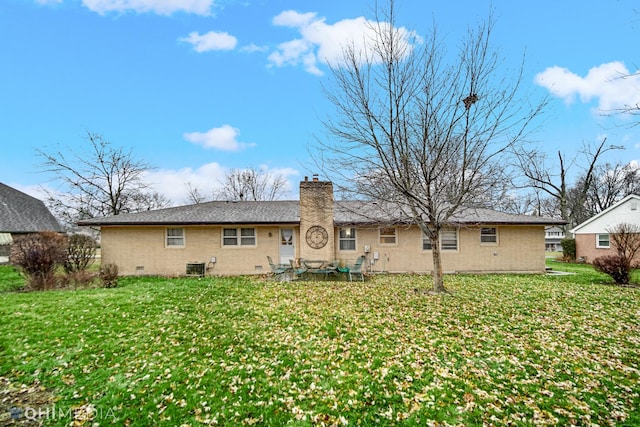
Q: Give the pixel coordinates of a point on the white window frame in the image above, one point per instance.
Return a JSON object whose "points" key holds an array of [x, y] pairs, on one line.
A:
{"points": [[427, 242], [484, 236], [346, 236], [388, 236], [240, 238], [174, 240], [599, 240]]}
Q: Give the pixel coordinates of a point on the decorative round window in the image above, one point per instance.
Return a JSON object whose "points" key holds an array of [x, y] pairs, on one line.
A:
{"points": [[317, 237]]}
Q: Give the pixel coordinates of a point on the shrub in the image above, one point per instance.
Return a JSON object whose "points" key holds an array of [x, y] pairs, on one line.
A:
{"points": [[109, 275], [76, 279], [38, 254], [80, 253], [568, 248], [615, 266]]}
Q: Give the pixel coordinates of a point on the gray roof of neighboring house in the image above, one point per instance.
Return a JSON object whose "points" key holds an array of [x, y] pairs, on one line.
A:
{"points": [[288, 212], [21, 213]]}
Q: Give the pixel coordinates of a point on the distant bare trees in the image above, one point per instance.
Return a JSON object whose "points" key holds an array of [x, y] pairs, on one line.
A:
{"points": [[244, 184], [553, 178], [101, 180]]}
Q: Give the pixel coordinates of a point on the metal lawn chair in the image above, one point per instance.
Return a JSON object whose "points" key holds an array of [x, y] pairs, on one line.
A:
{"points": [[356, 269], [278, 270]]}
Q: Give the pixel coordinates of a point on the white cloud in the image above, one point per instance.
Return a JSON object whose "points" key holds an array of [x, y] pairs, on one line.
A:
{"points": [[322, 42], [224, 138], [250, 48], [211, 41], [207, 179], [174, 184], [161, 7], [606, 82]]}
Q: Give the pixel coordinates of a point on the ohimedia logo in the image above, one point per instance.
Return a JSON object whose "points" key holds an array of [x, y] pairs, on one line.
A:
{"points": [[86, 412]]}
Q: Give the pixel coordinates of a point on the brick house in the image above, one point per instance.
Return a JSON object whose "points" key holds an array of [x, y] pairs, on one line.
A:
{"points": [[592, 236], [235, 237]]}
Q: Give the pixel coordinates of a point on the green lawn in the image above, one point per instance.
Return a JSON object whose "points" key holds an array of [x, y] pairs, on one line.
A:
{"points": [[501, 350]]}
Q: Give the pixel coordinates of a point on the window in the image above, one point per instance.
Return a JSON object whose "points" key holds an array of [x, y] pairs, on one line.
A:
{"points": [[239, 237], [388, 236], [602, 241], [488, 235], [347, 239], [174, 237], [426, 242], [448, 240]]}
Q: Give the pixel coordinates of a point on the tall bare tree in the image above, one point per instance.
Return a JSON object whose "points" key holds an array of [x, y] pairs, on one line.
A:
{"points": [[253, 184], [421, 129], [101, 180], [612, 183], [554, 178]]}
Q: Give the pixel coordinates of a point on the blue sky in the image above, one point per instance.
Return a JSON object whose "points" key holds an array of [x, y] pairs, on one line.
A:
{"points": [[198, 87]]}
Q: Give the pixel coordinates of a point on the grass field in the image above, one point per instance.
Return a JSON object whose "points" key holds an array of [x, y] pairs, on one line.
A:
{"points": [[500, 350]]}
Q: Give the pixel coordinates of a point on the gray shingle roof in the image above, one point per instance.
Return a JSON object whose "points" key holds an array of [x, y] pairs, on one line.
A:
{"points": [[21, 213], [288, 212], [218, 212]]}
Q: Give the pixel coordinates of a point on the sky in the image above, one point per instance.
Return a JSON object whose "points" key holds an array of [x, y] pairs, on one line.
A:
{"points": [[196, 88]]}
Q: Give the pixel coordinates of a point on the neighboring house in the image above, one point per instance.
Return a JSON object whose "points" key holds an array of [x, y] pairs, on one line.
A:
{"points": [[553, 236], [233, 238], [592, 236], [21, 214]]}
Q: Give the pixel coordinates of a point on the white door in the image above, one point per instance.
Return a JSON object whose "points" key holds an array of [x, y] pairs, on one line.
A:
{"points": [[287, 248]]}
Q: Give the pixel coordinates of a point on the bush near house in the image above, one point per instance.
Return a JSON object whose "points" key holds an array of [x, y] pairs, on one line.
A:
{"points": [[568, 249], [500, 350], [38, 255]]}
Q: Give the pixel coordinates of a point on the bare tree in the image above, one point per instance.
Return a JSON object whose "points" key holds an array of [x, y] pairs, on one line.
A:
{"points": [[420, 134], [612, 183], [625, 238], [100, 181], [194, 195], [554, 178], [252, 184]]}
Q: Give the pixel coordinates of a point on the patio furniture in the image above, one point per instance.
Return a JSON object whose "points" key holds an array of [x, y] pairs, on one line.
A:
{"points": [[297, 270], [356, 269], [278, 270], [328, 268]]}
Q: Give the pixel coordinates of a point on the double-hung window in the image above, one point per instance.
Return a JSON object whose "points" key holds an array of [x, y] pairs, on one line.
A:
{"points": [[488, 235], [388, 236], [347, 239], [239, 237], [174, 238], [602, 241], [448, 240]]}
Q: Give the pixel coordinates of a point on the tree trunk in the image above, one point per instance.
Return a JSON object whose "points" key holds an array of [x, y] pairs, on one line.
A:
{"points": [[438, 279]]}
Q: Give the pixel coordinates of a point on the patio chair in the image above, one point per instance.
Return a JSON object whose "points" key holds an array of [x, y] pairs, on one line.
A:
{"points": [[278, 270], [356, 269], [330, 268], [297, 269]]}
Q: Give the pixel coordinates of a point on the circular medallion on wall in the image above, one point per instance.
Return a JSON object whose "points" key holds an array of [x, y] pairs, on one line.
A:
{"points": [[317, 237]]}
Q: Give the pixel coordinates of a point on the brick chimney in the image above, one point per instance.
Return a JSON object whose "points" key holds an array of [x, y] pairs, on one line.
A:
{"points": [[317, 236]]}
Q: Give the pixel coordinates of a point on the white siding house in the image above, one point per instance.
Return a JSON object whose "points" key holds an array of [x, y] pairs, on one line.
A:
{"points": [[592, 236]]}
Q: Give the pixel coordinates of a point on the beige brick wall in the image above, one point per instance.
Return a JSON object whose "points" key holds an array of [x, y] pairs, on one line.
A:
{"points": [[519, 249], [133, 248], [316, 208], [141, 250]]}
